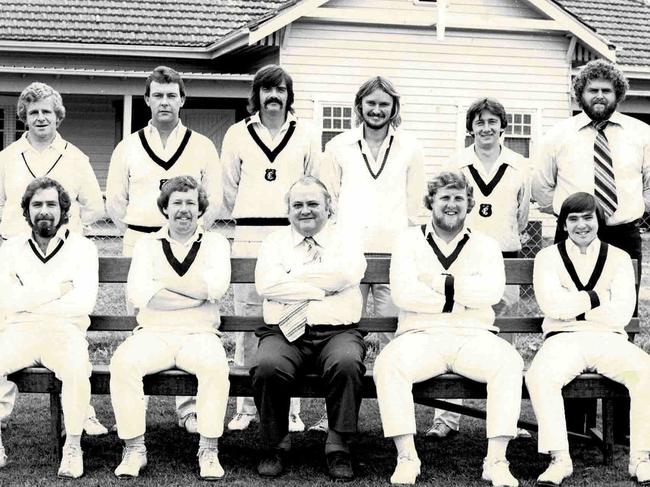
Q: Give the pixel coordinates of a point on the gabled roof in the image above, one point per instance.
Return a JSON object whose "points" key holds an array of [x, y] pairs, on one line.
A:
{"points": [[171, 23], [626, 23]]}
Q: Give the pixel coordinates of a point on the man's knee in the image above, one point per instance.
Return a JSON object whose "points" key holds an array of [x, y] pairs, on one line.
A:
{"points": [[271, 367], [123, 363]]}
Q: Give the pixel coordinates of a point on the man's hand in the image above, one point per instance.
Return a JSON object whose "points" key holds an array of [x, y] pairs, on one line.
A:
{"points": [[65, 287]]}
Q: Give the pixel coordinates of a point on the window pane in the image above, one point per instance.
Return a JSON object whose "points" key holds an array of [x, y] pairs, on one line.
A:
{"points": [[526, 129], [347, 123], [337, 123], [327, 111], [327, 123], [509, 118], [336, 111], [527, 118], [517, 117], [347, 112]]}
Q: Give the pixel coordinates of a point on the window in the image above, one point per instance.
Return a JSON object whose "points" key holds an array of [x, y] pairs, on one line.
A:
{"points": [[518, 133], [21, 128], [2, 129], [11, 129], [336, 119]]}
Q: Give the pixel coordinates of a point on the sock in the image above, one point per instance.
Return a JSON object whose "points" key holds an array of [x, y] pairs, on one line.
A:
{"points": [[561, 455], [405, 447], [72, 440], [285, 443], [497, 447], [336, 442], [205, 442], [137, 442]]}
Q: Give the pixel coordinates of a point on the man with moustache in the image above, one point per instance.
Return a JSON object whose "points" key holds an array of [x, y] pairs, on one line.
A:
{"points": [[262, 156], [308, 274], [143, 161], [41, 151], [502, 194], [585, 288], [45, 302], [445, 280], [605, 153], [176, 278]]}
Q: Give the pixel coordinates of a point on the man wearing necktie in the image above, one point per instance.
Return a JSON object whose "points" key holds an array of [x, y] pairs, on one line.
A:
{"points": [[602, 152], [308, 274]]}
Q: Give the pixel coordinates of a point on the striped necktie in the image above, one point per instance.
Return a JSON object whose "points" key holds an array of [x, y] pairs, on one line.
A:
{"points": [[313, 255], [604, 181], [293, 323]]}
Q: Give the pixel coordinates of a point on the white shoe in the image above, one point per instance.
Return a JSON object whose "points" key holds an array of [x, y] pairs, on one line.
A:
{"points": [[406, 471], [133, 460], [72, 463], [639, 468], [93, 427], [190, 423], [241, 421], [295, 424], [210, 468], [3, 457], [440, 430], [321, 426], [559, 469], [498, 472]]}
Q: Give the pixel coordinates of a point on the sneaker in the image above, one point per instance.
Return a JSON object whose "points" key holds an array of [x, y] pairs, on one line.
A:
{"points": [[241, 421], [440, 430], [190, 423], [295, 424], [498, 472], [560, 468], [72, 463], [339, 466], [272, 464], [3, 457], [639, 468], [133, 460], [406, 471], [93, 427], [210, 468], [321, 426]]}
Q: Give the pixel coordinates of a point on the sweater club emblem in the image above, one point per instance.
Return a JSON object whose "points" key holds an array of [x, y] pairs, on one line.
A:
{"points": [[270, 175], [485, 210]]}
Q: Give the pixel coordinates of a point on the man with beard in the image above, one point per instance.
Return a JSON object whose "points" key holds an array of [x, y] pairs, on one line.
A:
{"points": [[605, 153], [445, 280], [176, 278], [309, 274], [262, 156], [49, 282]]}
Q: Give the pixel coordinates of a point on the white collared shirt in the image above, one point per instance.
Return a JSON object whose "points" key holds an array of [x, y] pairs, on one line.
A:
{"points": [[375, 198], [31, 280], [285, 274], [502, 213], [566, 164], [20, 163], [151, 271], [561, 302]]}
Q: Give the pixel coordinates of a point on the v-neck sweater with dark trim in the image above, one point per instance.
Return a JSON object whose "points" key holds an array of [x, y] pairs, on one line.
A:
{"points": [[563, 304]]}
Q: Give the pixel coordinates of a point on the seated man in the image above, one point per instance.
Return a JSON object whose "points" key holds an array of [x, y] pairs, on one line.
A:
{"points": [[49, 282], [308, 274], [445, 280], [176, 277], [585, 288]]}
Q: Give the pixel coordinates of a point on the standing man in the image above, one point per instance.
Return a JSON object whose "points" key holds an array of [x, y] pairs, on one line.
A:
{"points": [[445, 279], [145, 160], [176, 278], [501, 185], [309, 274], [601, 152], [585, 289], [49, 279], [262, 156], [41, 151]]}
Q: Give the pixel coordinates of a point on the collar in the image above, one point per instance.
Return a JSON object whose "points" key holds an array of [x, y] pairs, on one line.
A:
{"points": [[574, 251], [153, 131], [583, 120], [163, 234], [322, 238], [256, 119], [61, 235], [357, 133], [507, 156], [454, 241], [58, 144]]}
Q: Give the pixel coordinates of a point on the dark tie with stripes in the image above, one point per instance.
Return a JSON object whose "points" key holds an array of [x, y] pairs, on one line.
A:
{"points": [[604, 181]]}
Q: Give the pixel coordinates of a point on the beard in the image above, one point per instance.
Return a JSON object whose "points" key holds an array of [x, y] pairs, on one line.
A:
{"points": [[44, 227], [599, 116], [447, 223], [375, 126]]}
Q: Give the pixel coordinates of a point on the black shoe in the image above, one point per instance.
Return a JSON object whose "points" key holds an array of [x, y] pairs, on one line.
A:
{"points": [[339, 466], [272, 464]]}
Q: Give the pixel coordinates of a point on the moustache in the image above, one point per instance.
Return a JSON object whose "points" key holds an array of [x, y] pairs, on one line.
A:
{"points": [[268, 101], [46, 218]]}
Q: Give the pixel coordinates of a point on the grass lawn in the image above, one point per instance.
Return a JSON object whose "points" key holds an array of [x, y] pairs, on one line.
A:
{"points": [[454, 462]]}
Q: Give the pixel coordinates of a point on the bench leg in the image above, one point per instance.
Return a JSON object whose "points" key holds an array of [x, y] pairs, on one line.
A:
{"points": [[56, 425], [608, 431]]}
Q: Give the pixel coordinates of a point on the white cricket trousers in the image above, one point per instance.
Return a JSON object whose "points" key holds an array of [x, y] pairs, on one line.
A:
{"points": [[564, 356], [147, 352], [479, 355], [63, 349]]}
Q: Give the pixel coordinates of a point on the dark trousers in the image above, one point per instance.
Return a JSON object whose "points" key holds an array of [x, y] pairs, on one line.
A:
{"points": [[581, 413], [334, 353]]}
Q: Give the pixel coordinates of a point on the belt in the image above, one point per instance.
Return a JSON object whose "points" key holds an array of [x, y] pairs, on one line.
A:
{"points": [[510, 255], [143, 229], [262, 222]]}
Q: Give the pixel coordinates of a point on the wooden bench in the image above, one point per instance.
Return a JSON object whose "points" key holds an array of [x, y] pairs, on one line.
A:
{"points": [[430, 392]]}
